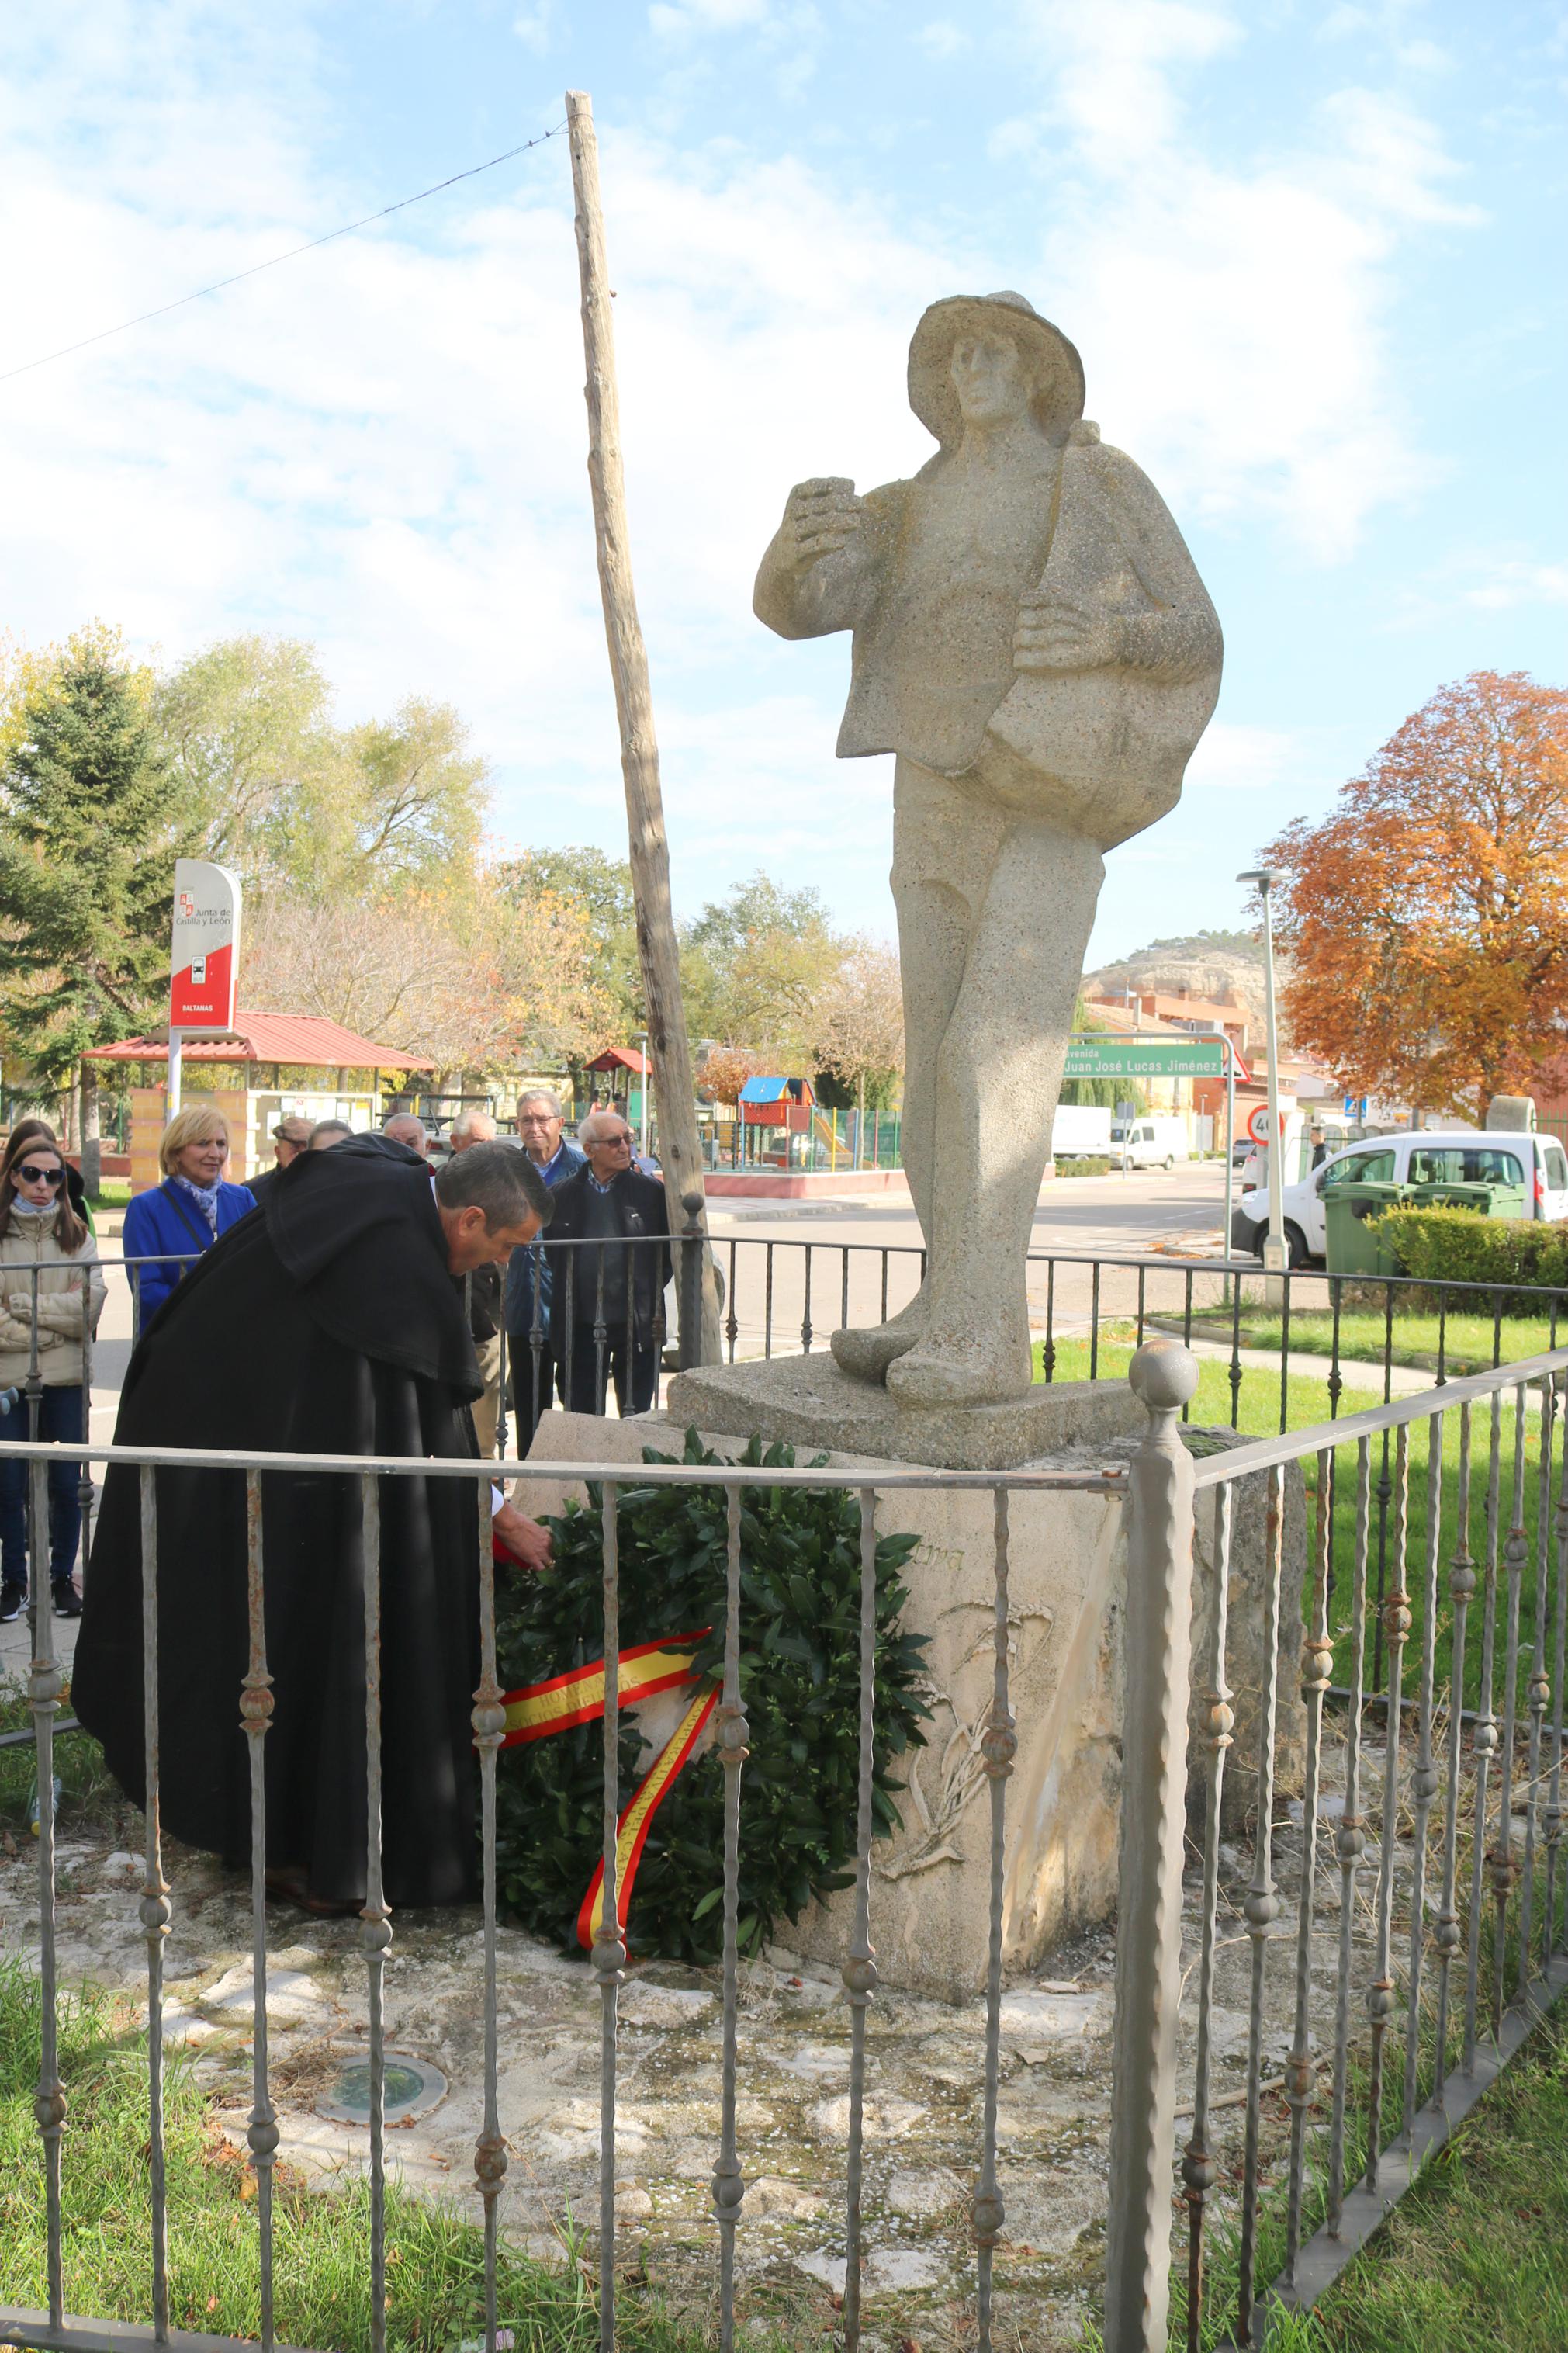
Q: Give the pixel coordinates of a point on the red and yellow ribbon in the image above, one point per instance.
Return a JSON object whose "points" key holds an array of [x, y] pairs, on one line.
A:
{"points": [[563, 1701]]}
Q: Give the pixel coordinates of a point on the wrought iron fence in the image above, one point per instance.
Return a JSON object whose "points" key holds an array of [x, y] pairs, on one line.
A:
{"points": [[1465, 1917], [1463, 1945], [255, 1702]]}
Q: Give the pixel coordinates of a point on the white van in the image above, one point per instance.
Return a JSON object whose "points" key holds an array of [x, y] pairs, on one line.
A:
{"points": [[1536, 1165], [1152, 1140], [1081, 1131]]}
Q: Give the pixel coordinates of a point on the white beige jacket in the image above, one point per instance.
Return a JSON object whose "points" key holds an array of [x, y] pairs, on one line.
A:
{"points": [[62, 1282]]}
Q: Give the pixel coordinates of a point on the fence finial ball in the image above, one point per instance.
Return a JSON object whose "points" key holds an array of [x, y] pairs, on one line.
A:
{"points": [[1163, 1375]]}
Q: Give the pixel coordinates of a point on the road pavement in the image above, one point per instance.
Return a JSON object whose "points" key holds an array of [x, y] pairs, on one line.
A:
{"points": [[825, 1264]]}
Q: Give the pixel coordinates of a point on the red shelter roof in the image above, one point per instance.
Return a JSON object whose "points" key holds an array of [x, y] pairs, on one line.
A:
{"points": [[621, 1058], [296, 1038]]}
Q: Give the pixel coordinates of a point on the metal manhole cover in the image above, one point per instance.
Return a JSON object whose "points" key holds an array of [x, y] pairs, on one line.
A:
{"points": [[412, 2087]]}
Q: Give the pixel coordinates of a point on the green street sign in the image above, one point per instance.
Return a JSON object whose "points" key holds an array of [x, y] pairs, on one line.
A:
{"points": [[1145, 1058]]}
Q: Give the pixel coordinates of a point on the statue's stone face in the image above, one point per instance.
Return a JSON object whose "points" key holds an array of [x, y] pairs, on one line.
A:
{"points": [[992, 380]]}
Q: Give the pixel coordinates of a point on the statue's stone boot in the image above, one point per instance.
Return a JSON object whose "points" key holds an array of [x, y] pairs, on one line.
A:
{"points": [[866, 1351], [973, 1370]]}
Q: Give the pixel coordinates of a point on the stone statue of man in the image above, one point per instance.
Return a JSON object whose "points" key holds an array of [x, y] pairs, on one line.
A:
{"points": [[1032, 640]]}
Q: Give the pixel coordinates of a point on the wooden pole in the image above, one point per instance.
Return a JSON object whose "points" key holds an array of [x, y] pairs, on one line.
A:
{"points": [[680, 1148]]}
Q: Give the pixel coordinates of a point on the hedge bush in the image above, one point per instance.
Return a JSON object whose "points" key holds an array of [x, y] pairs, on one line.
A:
{"points": [[1458, 1246], [800, 1680]]}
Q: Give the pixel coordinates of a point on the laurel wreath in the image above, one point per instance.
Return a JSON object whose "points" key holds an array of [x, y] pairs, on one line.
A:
{"points": [[800, 1683]]}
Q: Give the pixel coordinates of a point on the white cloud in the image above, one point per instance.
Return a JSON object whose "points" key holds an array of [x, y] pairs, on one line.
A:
{"points": [[788, 34], [1233, 317], [1393, 160], [1110, 69], [533, 26], [941, 40], [1425, 57], [1244, 758], [1513, 582], [673, 19], [1483, 580]]}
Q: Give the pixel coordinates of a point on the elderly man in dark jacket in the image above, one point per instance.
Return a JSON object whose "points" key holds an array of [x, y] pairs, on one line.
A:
{"points": [[529, 1276], [609, 1279]]}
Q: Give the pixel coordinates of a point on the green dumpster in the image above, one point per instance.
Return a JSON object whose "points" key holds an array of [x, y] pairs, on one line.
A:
{"points": [[1351, 1244], [1486, 1178], [1481, 1198]]}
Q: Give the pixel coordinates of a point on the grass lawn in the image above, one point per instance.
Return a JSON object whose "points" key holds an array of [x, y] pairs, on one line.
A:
{"points": [[1257, 1415], [435, 2253], [90, 1797], [1463, 1343], [1474, 2259]]}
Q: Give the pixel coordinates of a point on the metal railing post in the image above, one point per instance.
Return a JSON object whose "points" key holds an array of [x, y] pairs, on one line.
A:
{"points": [[691, 1244], [1154, 1821]]}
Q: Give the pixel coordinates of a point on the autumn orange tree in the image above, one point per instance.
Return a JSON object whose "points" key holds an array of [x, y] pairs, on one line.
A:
{"points": [[1425, 918], [725, 1072]]}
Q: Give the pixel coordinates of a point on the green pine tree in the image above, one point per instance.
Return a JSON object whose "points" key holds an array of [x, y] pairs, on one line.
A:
{"points": [[90, 825]]}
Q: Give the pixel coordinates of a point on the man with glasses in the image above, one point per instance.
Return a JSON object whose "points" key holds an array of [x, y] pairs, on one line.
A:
{"points": [[610, 1274], [529, 1278], [291, 1137]]}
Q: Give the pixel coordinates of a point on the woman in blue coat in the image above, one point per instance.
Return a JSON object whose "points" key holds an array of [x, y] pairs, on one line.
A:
{"points": [[188, 1211]]}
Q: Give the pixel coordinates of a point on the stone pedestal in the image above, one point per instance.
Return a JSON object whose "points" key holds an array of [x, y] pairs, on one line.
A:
{"points": [[809, 1401], [930, 1886]]}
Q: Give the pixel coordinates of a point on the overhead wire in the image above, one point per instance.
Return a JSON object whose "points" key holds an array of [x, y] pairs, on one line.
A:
{"points": [[311, 246]]}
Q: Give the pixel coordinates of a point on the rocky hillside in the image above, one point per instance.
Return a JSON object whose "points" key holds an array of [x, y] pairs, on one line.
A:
{"points": [[1205, 964]]}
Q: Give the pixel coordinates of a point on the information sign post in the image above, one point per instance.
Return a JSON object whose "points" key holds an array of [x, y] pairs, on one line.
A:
{"points": [[1100, 1056], [204, 960], [1092, 1056]]}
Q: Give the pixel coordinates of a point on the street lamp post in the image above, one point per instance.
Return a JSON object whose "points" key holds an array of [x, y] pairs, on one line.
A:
{"points": [[1229, 1155], [642, 1123], [1274, 1256]]}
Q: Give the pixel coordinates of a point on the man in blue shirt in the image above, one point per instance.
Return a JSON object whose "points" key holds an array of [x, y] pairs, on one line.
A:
{"points": [[528, 1277]]}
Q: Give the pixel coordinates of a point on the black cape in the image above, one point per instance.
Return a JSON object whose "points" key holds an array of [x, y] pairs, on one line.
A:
{"points": [[326, 1321]]}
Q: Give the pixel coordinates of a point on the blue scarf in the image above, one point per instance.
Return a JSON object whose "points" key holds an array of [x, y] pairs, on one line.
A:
{"points": [[207, 1197]]}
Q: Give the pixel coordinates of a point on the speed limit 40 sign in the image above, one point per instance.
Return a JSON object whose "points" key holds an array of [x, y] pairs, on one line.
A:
{"points": [[1258, 1122]]}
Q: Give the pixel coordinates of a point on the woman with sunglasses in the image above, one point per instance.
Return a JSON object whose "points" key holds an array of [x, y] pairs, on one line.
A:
{"points": [[50, 1283], [38, 1131]]}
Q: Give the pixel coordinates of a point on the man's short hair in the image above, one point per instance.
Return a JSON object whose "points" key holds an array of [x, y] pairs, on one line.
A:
{"points": [[499, 1179], [325, 1127], [407, 1127], [588, 1129], [466, 1121], [539, 1095], [293, 1130]]}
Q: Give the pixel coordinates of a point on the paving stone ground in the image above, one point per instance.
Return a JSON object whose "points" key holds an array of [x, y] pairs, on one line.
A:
{"points": [[923, 2107]]}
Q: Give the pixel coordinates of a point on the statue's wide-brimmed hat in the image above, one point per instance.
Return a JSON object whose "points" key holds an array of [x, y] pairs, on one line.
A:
{"points": [[1058, 403]]}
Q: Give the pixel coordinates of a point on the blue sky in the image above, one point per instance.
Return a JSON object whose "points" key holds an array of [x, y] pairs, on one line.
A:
{"points": [[1312, 257]]}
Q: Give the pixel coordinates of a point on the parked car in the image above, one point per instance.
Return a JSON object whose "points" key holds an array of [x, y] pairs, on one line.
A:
{"points": [[1534, 1166], [1153, 1140]]}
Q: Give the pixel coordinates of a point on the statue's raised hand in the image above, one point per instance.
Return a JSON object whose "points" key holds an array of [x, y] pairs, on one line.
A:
{"points": [[1056, 631], [820, 517]]}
